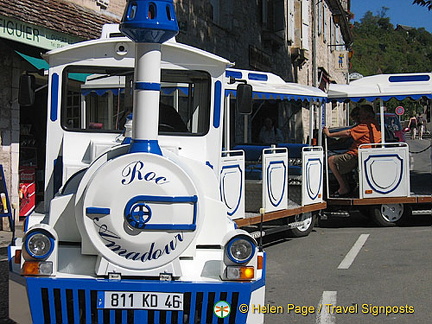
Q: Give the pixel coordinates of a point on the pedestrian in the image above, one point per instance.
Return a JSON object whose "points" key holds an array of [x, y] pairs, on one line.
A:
{"points": [[412, 125], [420, 126]]}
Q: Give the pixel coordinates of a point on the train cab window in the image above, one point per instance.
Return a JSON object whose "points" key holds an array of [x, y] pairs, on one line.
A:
{"points": [[100, 99]]}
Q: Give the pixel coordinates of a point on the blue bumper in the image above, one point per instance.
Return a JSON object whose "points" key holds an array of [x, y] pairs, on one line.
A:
{"points": [[65, 300]]}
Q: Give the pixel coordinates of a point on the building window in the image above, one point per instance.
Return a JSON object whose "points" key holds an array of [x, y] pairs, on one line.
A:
{"points": [[215, 10], [305, 24]]}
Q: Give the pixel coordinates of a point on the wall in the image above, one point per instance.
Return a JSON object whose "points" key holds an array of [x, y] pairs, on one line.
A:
{"points": [[9, 120], [235, 31]]}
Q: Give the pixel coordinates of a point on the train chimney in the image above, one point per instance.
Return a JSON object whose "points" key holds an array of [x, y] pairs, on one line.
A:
{"points": [[148, 23]]}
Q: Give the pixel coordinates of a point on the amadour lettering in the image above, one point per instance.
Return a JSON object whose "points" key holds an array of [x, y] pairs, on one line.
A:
{"points": [[152, 254], [133, 171]]}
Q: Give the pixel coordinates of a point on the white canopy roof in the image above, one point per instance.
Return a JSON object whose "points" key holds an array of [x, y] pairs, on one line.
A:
{"points": [[270, 86], [384, 86]]}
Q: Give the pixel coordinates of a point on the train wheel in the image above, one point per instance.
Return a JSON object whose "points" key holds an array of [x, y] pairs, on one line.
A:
{"points": [[389, 214], [303, 230]]}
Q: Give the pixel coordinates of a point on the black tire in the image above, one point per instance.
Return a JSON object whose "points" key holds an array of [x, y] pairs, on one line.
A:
{"points": [[387, 215], [303, 231]]}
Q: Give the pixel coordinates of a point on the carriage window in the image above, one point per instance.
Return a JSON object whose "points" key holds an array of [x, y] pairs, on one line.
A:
{"points": [[100, 99]]}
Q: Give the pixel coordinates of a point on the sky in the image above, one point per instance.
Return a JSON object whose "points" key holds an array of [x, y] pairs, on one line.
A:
{"points": [[400, 12]]}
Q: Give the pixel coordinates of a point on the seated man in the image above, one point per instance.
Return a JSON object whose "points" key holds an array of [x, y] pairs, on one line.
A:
{"points": [[366, 131], [269, 134], [170, 120]]}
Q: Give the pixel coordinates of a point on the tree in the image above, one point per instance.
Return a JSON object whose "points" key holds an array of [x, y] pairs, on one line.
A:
{"points": [[424, 3], [380, 48]]}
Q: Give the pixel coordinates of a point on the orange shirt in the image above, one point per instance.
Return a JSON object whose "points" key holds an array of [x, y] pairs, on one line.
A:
{"points": [[364, 133]]}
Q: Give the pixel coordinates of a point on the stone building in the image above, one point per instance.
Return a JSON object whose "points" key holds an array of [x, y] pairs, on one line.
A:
{"points": [[27, 29], [304, 41]]}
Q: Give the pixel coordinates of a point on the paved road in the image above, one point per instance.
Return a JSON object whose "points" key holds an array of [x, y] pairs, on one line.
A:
{"points": [[387, 267]]}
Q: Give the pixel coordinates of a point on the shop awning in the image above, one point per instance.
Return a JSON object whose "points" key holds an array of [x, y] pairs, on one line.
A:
{"points": [[38, 63]]}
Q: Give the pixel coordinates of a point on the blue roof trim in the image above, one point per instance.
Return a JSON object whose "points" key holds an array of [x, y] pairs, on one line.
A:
{"points": [[234, 74], [257, 77], [385, 98], [280, 96], [409, 78]]}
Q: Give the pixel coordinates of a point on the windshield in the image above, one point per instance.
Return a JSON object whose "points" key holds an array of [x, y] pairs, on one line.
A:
{"points": [[391, 121], [99, 99]]}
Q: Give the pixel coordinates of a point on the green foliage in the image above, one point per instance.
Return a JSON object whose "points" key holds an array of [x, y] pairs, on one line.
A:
{"points": [[379, 48]]}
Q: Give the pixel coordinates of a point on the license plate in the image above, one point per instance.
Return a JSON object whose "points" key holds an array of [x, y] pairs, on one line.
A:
{"points": [[140, 300]]}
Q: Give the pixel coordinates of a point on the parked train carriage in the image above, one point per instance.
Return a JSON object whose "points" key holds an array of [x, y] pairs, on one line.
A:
{"points": [[133, 229], [383, 170], [279, 180]]}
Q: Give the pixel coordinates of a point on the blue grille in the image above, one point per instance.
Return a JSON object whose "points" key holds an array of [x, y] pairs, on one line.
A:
{"points": [[75, 301]]}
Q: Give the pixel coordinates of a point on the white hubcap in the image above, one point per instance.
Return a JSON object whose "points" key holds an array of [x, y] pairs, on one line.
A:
{"points": [[392, 212], [307, 221]]}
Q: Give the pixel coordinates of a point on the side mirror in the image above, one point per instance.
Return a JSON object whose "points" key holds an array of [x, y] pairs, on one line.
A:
{"points": [[244, 99], [26, 95]]}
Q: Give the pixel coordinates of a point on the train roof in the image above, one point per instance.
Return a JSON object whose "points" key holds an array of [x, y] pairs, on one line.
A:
{"points": [[104, 48], [270, 86], [384, 86]]}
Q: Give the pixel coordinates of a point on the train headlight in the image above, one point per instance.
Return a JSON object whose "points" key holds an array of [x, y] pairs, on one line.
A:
{"points": [[39, 245], [240, 249]]}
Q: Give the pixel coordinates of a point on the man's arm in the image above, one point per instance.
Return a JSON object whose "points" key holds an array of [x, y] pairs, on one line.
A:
{"points": [[342, 133]]}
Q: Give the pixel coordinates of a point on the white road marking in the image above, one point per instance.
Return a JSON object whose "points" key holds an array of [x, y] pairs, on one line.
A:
{"points": [[328, 299], [349, 258]]}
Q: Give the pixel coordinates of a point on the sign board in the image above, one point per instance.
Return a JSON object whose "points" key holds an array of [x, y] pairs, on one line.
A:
{"points": [[399, 110], [33, 35], [341, 60]]}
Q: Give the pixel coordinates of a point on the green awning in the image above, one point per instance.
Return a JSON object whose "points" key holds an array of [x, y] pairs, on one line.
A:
{"points": [[38, 63], [41, 64]]}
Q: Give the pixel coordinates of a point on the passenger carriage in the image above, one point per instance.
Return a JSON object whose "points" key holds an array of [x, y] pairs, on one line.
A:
{"points": [[283, 182], [383, 174]]}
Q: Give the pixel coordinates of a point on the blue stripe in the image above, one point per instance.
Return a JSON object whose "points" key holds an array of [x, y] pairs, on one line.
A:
{"points": [[54, 96], [152, 86], [409, 78], [76, 310], [169, 199], [63, 302], [169, 227], [98, 210], [217, 104], [145, 146], [257, 77], [234, 74]]}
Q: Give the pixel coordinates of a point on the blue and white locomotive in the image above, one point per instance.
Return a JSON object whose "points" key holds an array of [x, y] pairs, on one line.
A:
{"points": [[133, 229]]}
